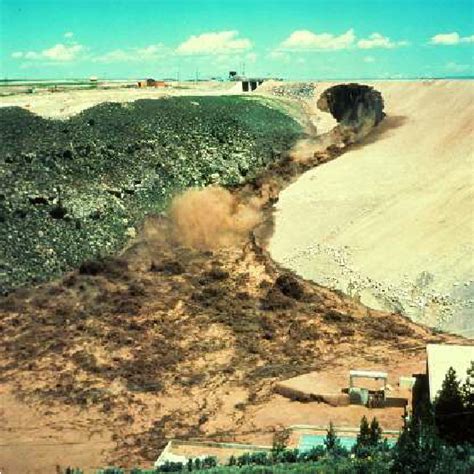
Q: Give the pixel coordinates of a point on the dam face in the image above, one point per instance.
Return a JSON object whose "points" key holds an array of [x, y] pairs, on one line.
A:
{"points": [[391, 222]]}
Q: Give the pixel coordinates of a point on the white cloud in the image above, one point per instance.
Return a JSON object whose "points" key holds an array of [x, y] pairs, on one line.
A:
{"points": [[455, 67], [68, 34], [223, 59], [223, 42], [61, 52], [369, 59], [449, 39], [280, 56], [151, 50], [115, 56], [148, 53], [231, 60], [305, 40], [32, 55], [57, 53], [376, 40]]}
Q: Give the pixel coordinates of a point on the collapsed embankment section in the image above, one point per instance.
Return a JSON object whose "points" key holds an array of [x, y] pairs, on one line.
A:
{"points": [[76, 189], [353, 104]]}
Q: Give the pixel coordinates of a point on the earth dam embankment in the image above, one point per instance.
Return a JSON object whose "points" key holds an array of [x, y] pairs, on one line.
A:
{"points": [[391, 221]]}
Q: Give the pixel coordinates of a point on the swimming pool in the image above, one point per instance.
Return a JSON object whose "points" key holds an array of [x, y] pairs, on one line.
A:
{"points": [[308, 441]]}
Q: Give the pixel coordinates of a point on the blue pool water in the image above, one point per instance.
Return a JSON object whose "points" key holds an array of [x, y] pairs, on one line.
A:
{"points": [[308, 441]]}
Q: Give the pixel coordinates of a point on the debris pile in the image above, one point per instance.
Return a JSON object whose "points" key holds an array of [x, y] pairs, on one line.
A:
{"points": [[299, 90], [124, 336]]}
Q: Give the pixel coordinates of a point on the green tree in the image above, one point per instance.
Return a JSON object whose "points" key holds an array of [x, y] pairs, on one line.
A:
{"points": [[363, 439], [363, 443], [369, 439], [331, 441], [405, 452], [467, 391], [419, 450], [375, 432], [280, 442], [468, 388], [449, 409]]}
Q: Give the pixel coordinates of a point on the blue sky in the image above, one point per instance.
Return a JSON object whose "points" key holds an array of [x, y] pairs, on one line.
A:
{"points": [[298, 39]]}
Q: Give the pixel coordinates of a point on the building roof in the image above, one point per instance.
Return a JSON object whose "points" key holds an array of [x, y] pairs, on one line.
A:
{"points": [[440, 357]]}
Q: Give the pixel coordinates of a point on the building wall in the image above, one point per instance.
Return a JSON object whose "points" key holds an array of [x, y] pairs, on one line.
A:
{"points": [[440, 357]]}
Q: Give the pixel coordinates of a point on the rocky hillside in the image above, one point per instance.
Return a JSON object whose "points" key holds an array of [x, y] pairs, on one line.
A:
{"points": [[76, 189]]}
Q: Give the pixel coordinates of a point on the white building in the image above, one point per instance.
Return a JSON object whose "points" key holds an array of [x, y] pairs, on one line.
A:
{"points": [[440, 357]]}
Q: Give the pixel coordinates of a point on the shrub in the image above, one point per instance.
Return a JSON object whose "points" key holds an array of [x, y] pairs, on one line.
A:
{"points": [[209, 462], [287, 456], [314, 454], [260, 458], [170, 466], [280, 441], [243, 460], [290, 286]]}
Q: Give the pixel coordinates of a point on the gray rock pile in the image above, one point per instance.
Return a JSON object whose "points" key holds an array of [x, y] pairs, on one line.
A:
{"points": [[74, 190], [299, 90]]}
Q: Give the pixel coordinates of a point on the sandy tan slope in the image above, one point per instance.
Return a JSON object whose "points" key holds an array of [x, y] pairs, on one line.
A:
{"points": [[68, 102], [391, 221]]}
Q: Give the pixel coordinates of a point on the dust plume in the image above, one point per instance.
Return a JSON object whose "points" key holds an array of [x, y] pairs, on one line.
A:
{"points": [[212, 218], [305, 150]]}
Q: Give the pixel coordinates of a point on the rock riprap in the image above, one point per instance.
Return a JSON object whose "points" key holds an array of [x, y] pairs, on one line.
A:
{"points": [[75, 189]]}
